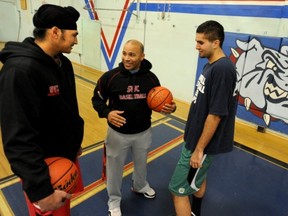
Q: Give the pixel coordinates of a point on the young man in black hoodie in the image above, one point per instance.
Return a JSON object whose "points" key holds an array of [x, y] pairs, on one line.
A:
{"points": [[129, 120], [38, 106]]}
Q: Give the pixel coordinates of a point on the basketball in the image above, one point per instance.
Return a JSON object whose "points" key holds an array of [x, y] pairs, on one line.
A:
{"points": [[63, 173], [157, 97]]}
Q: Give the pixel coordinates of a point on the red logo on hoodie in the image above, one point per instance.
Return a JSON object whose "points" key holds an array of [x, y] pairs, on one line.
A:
{"points": [[53, 90]]}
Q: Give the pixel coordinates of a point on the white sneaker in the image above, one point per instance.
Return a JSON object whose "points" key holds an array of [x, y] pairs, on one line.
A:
{"points": [[150, 193], [115, 212]]}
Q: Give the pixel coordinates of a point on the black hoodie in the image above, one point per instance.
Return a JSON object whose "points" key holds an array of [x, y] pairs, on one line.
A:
{"points": [[38, 113], [126, 92]]}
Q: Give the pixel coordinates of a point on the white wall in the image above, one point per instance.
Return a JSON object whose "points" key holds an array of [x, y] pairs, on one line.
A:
{"points": [[9, 21], [16, 24], [168, 37]]}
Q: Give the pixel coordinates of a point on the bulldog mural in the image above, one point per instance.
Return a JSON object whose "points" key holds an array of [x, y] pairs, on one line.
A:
{"points": [[262, 80]]}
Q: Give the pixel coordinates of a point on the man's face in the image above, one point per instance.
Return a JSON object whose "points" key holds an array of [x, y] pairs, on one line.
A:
{"points": [[132, 56], [204, 46], [67, 39]]}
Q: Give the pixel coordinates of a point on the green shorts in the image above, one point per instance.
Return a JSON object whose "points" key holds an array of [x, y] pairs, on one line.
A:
{"points": [[186, 180]]}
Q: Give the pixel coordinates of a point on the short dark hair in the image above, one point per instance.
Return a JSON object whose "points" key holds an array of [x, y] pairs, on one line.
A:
{"points": [[141, 46], [212, 30], [39, 33]]}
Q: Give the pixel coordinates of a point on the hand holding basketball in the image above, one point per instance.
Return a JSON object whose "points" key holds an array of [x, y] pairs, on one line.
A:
{"points": [[158, 97], [63, 173], [52, 202]]}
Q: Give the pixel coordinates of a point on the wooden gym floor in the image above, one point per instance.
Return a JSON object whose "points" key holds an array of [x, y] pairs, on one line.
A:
{"points": [[269, 143]]}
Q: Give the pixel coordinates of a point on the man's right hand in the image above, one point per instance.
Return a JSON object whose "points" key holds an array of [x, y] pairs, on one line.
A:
{"points": [[53, 201], [115, 118]]}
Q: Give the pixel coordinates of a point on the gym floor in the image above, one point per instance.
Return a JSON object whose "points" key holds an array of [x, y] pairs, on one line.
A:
{"points": [[251, 180]]}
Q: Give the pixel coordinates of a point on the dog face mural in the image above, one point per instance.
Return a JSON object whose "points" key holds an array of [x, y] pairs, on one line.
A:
{"points": [[262, 75]]}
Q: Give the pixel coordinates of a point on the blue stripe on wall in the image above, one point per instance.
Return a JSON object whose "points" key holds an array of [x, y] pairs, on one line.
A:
{"points": [[261, 11], [221, 9], [111, 63]]}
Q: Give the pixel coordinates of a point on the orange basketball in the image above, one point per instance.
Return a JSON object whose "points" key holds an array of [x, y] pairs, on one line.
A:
{"points": [[63, 173], [157, 97]]}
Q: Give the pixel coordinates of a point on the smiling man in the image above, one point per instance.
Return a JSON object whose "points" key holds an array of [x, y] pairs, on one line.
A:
{"points": [[129, 120]]}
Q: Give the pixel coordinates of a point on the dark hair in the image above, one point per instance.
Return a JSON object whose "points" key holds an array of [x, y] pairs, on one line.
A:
{"points": [[141, 46], [39, 33], [212, 30]]}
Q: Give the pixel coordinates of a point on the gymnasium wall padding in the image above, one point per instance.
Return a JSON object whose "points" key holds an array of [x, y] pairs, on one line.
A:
{"points": [[262, 76]]}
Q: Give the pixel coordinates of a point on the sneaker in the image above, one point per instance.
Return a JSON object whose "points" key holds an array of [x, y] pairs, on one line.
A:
{"points": [[175, 214], [149, 194], [115, 212]]}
